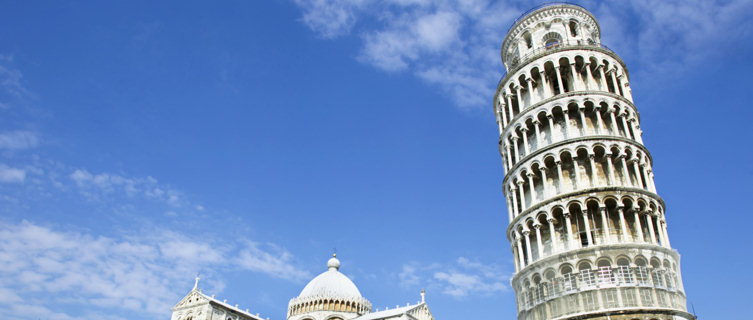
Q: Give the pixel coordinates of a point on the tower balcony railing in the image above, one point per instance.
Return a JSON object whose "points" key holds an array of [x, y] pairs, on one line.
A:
{"points": [[546, 4], [516, 61], [603, 278]]}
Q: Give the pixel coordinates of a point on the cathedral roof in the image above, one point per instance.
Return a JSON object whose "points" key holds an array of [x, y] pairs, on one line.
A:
{"points": [[331, 284]]}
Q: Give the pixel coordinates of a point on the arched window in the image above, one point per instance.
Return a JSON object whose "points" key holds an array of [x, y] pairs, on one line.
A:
{"points": [[529, 42], [552, 39], [573, 28]]}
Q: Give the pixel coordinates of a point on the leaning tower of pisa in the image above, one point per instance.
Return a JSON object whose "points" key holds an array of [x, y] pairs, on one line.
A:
{"points": [[587, 228]]}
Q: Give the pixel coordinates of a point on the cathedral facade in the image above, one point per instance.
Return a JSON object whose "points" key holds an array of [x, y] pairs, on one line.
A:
{"points": [[587, 229], [329, 296]]}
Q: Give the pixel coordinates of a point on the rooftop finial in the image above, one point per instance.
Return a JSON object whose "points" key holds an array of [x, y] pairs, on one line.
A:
{"points": [[423, 295], [333, 263], [196, 284]]}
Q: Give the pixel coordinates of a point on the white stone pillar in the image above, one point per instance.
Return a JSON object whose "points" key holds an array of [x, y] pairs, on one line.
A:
{"points": [[602, 78], [509, 208], [666, 234], [527, 235], [637, 173], [637, 134], [623, 224], [544, 182], [523, 206], [532, 186], [625, 125], [589, 80], [651, 231], [587, 224], [520, 251], [519, 96], [614, 82], [526, 148], [508, 155], [599, 121], [626, 88], [540, 245], [502, 113], [529, 82], [552, 234], [610, 168], [569, 227], [566, 114], [515, 146], [515, 257], [545, 83], [625, 172], [499, 122], [638, 228], [508, 96], [550, 118], [645, 177], [591, 161], [583, 123], [605, 224], [576, 169], [559, 79], [615, 130], [537, 131], [514, 192], [559, 176], [575, 77], [651, 177]]}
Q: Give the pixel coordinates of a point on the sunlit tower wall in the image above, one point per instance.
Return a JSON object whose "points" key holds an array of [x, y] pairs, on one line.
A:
{"points": [[587, 228]]}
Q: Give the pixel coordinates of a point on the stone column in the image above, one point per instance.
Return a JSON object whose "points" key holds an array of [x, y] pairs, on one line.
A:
{"points": [[508, 96], [569, 227], [527, 235], [519, 96], [559, 79], [540, 245], [517, 150], [576, 169], [638, 228], [566, 114], [605, 224], [591, 157], [615, 130], [666, 234], [575, 77], [499, 122], [550, 118], [610, 168], [552, 234], [589, 82], [623, 224], [584, 124], [636, 131], [587, 223], [602, 78], [515, 258], [502, 112], [637, 173], [651, 178], [529, 82], [544, 82], [526, 148], [537, 131], [651, 231], [625, 125], [509, 209], [520, 250], [543, 170], [532, 186], [523, 206], [626, 88], [559, 176], [614, 82], [599, 121], [514, 192], [508, 155], [625, 172]]}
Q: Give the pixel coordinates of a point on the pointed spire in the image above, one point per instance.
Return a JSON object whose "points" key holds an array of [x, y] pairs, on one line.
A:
{"points": [[196, 284], [423, 295]]}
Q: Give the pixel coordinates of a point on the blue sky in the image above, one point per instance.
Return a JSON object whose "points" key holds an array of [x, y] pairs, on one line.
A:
{"points": [[142, 142]]}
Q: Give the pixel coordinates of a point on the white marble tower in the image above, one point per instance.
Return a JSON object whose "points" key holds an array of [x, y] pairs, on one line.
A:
{"points": [[587, 228]]}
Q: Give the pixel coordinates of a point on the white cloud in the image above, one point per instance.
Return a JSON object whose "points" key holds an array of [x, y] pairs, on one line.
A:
{"points": [[459, 279], [99, 186], [44, 267], [8, 174], [16, 140], [454, 44]]}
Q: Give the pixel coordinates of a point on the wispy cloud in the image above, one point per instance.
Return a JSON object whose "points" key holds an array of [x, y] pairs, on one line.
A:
{"points": [[462, 278], [44, 267], [101, 185], [17, 140], [8, 174], [454, 44]]}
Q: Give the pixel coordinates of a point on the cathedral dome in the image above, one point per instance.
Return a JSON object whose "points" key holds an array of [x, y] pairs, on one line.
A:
{"points": [[331, 284], [329, 292]]}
